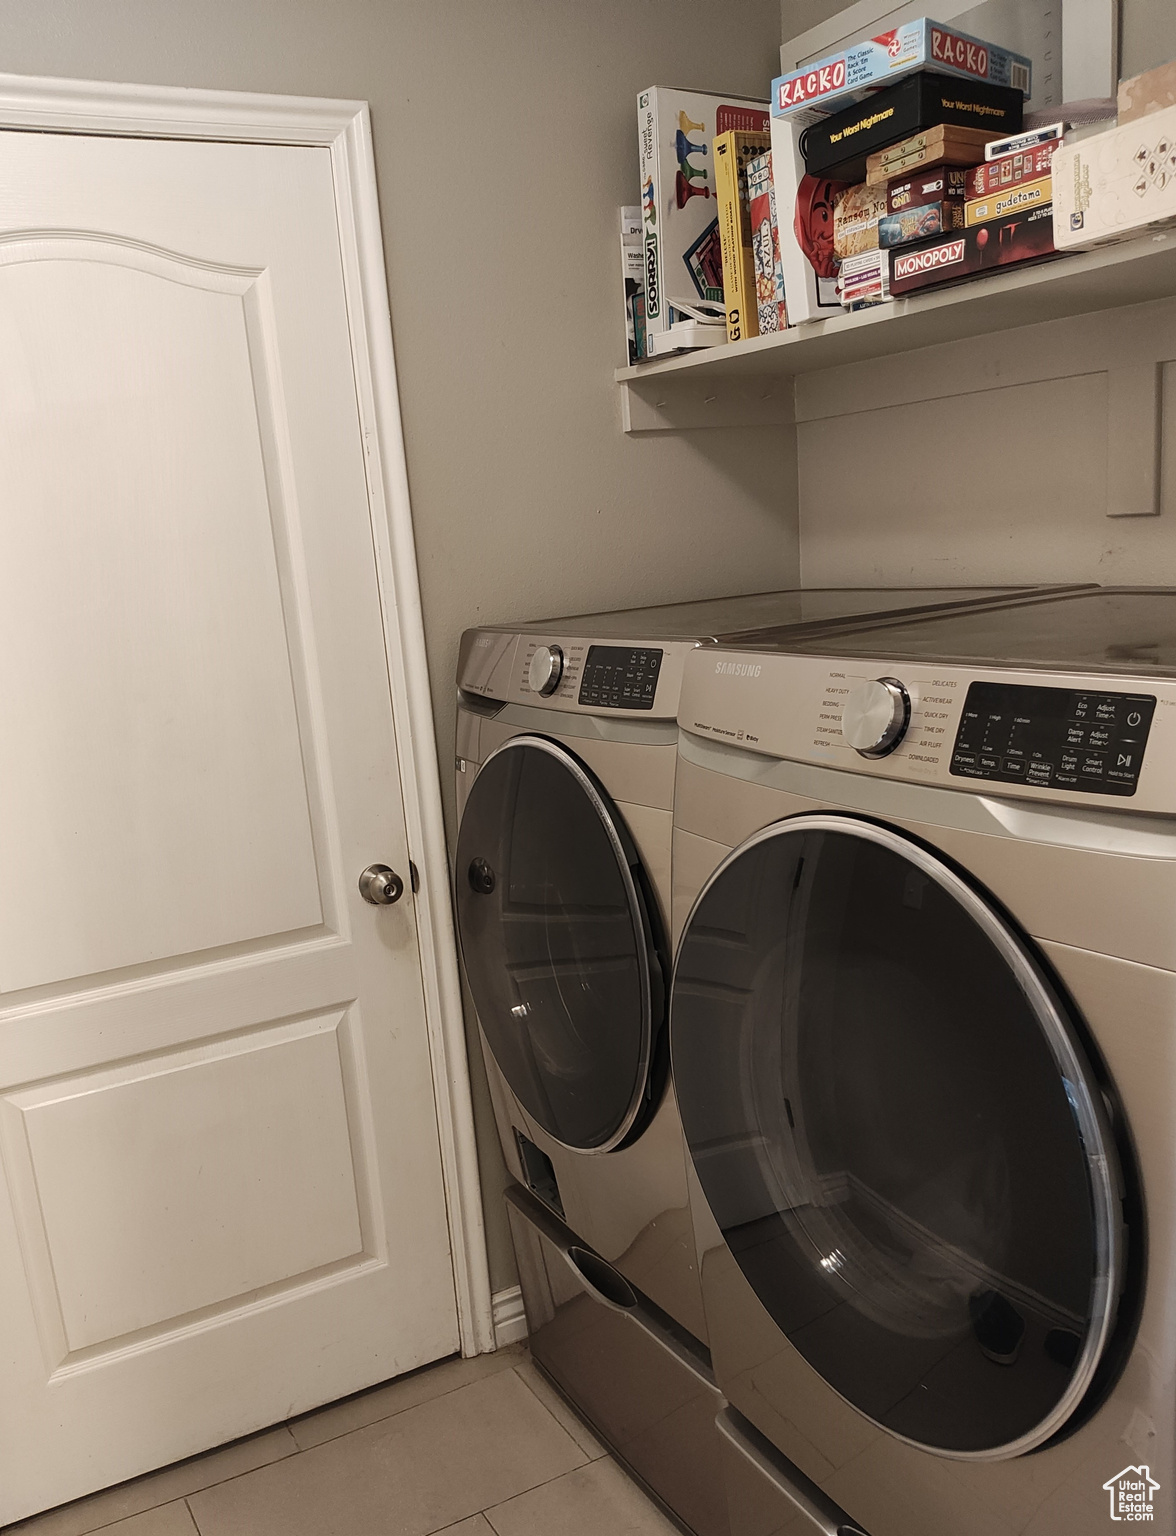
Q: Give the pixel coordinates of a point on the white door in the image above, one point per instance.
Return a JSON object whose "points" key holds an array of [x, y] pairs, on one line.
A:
{"points": [[222, 1197]]}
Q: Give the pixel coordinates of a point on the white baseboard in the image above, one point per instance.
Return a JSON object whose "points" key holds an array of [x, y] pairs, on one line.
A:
{"points": [[510, 1321]]}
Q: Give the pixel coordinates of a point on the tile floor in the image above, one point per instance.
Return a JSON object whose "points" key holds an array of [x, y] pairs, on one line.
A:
{"points": [[466, 1448]]}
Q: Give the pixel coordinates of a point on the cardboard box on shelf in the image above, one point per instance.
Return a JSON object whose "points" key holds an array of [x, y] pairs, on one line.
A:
{"points": [[1031, 138], [1116, 184], [1009, 170], [972, 252], [683, 253], [1029, 194], [855, 220], [946, 184], [918, 223], [840, 145], [771, 308], [804, 207], [852, 72], [1150, 92], [941, 145], [864, 279], [733, 151]]}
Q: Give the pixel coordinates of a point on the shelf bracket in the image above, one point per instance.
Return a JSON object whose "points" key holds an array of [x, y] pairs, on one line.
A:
{"points": [[678, 402]]}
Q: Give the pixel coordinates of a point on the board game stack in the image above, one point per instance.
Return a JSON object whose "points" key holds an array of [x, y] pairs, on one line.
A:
{"points": [[681, 241], [921, 96], [733, 151], [1007, 218]]}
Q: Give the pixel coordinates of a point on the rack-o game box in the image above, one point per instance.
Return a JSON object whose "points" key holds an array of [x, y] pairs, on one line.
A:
{"points": [[849, 75], [679, 211]]}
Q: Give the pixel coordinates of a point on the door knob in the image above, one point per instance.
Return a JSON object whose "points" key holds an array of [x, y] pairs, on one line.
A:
{"points": [[380, 885]]}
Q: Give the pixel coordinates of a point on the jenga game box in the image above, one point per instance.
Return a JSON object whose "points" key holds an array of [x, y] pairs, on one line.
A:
{"points": [[1010, 170], [946, 184], [972, 252]]}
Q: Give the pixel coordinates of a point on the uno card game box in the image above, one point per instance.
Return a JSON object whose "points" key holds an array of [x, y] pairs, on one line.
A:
{"points": [[679, 213], [839, 146], [945, 184], [854, 71], [972, 252], [1116, 184]]}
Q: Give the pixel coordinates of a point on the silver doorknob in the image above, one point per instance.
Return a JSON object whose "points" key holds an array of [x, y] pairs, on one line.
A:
{"points": [[380, 885]]}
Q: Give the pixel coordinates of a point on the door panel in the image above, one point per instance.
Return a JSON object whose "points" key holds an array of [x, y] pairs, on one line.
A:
{"points": [[156, 368], [219, 1141]]}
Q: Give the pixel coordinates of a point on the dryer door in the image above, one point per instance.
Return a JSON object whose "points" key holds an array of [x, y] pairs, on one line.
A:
{"points": [[899, 1133], [558, 932]]}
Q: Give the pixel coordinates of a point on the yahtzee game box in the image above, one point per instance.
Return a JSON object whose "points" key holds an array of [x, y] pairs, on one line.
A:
{"points": [[679, 211]]}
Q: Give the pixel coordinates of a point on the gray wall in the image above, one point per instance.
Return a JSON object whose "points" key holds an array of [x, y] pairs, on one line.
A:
{"points": [[505, 141]]}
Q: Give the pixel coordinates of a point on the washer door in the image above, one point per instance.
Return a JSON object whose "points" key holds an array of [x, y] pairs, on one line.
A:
{"points": [[899, 1133], [558, 935]]}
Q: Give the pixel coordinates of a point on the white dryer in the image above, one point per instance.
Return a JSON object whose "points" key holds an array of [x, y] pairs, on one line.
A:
{"points": [[923, 1031], [566, 743]]}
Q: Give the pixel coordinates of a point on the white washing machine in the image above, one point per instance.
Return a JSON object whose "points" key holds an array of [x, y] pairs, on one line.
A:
{"points": [[566, 742], [923, 1031]]}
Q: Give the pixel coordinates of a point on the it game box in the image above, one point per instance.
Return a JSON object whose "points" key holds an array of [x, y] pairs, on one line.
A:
{"points": [[679, 209]]}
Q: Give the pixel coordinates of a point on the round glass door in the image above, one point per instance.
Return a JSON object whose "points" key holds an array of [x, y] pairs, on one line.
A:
{"points": [[558, 936], [899, 1134]]}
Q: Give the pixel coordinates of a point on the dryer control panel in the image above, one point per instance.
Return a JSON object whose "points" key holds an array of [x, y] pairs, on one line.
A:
{"points": [[620, 676], [1091, 742]]}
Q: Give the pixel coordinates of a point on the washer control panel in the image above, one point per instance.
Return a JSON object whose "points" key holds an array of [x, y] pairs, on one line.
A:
{"points": [[1053, 737], [620, 677]]}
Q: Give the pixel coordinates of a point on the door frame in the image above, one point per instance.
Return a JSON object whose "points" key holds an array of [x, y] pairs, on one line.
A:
{"points": [[32, 103]]}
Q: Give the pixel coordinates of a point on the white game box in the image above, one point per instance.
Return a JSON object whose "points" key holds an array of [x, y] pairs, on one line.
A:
{"points": [[679, 213], [1114, 185]]}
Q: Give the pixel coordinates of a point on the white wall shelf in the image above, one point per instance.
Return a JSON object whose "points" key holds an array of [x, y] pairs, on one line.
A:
{"points": [[749, 383]]}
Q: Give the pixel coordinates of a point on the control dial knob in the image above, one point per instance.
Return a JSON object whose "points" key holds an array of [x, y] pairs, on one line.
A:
{"points": [[545, 670], [876, 716]]}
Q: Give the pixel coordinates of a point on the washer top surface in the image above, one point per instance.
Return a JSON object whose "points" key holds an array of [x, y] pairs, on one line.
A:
{"points": [[1108, 629], [631, 659]]}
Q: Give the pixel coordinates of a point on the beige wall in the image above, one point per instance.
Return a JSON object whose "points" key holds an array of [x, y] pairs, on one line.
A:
{"points": [[505, 140], [951, 465]]}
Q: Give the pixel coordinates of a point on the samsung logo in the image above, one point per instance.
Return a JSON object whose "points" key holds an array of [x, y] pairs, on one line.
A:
{"points": [[737, 669]]}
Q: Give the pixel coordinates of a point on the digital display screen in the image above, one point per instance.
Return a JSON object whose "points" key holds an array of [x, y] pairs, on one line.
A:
{"points": [[620, 676], [1089, 741]]}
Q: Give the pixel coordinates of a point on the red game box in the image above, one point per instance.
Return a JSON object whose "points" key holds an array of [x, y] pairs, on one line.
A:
{"points": [[994, 175], [944, 184], [972, 252]]}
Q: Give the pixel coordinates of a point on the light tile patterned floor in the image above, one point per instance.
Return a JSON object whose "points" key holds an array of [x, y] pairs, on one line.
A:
{"points": [[467, 1448]]}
